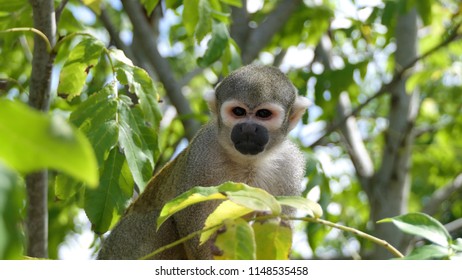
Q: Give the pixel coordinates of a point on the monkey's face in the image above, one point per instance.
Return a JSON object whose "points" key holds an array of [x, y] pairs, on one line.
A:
{"points": [[251, 130], [256, 106]]}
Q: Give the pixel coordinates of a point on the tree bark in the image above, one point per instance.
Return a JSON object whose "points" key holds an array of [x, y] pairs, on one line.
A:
{"points": [[39, 98], [258, 38], [389, 189]]}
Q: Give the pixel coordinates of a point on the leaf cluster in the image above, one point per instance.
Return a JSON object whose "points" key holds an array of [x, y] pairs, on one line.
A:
{"points": [[248, 224]]}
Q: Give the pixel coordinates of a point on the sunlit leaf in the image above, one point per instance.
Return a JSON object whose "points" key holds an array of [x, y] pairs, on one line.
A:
{"points": [[80, 61], [32, 140], [252, 198], [216, 45], [422, 225], [428, 252], [235, 241], [312, 208]]}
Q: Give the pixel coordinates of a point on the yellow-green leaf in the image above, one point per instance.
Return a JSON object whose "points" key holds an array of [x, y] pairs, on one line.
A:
{"points": [[314, 209], [80, 60], [235, 241], [226, 210], [273, 239], [193, 196], [31, 140], [95, 5], [242, 194]]}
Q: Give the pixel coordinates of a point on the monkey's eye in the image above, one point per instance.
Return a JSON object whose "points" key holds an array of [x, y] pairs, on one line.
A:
{"points": [[263, 113], [239, 112]]}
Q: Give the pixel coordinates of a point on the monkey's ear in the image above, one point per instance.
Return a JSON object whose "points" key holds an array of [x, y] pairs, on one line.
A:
{"points": [[211, 99], [299, 108]]}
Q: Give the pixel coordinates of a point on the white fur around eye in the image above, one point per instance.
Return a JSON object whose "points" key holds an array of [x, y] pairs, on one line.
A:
{"points": [[226, 112], [272, 123], [277, 118]]}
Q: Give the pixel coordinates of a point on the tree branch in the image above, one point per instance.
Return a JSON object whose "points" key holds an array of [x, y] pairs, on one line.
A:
{"points": [[239, 29], [114, 33], [259, 37], [143, 32], [387, 87], [39, 98], [59, 10], [454, 226], [354, 143], [442, 194]]}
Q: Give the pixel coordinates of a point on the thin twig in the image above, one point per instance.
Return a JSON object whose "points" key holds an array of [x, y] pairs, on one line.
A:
{"points": [[179, 241], [33, 30], [359, 233]]}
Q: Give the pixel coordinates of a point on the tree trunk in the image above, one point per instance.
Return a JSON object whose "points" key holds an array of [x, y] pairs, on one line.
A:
{"points": [[389, 189], [39, 98]]}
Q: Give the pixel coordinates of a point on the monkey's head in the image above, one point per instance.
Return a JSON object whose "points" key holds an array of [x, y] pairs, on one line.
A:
{"points": [[255, 107]]}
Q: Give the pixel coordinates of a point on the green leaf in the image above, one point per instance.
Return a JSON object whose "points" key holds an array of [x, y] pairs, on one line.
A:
{"points": [[235, 3], [242, 194], [95, 5], [424, 7], [457, 244], [11, 203], [66, 187], [193, 196], [204, 23], [273, 239], [32, 140], [96, 117], [12, 6], [141, 84], [139, 153], [80, 60], [149, 5], [428, 252], [314, 209], [216, 46], [235, 241], [107, 202], [226, 210], [422, 225], [190, 16]]}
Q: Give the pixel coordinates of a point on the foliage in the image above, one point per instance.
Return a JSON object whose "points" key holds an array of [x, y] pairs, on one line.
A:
{"points": [[105, 135], [11, 194], [422, 225], [267, 236]]}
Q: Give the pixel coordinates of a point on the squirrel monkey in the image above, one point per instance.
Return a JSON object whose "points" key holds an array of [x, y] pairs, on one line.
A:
{"points": [[253, 110]]}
